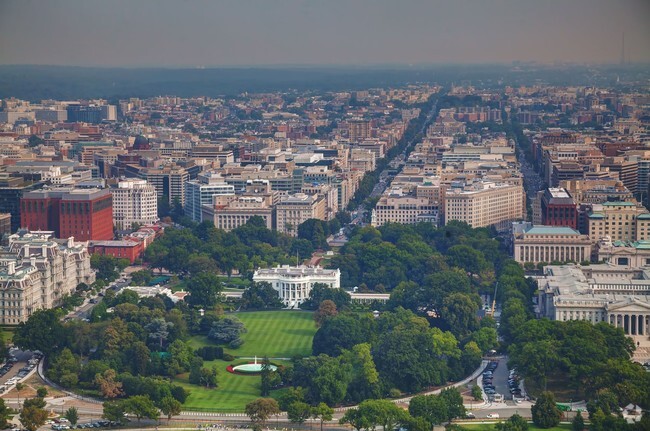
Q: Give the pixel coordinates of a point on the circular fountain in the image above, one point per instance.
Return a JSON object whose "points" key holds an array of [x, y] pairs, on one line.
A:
{"points": [[251, 368]]}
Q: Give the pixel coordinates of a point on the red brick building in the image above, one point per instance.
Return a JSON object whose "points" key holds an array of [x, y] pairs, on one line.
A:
{"points": [[124, 249], [559, 208], [85, 214]]}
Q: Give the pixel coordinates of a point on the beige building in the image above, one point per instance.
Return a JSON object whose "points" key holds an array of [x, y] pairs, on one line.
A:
{"points": [[293, 210], [537, 244], [37, 271], [485, 204], [619, 221], [406, 209], [230, 212], [624, 253]]}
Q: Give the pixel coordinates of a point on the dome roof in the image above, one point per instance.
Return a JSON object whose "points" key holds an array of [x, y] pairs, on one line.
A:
{"points": [[141, 143]]}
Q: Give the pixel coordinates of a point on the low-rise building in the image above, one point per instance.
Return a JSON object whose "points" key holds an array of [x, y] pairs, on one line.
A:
{"points": [[537, 244], [294, 283], [617, 295]]}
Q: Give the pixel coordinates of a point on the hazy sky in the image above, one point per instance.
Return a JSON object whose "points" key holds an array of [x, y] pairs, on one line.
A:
{"points": [[337, 32]]}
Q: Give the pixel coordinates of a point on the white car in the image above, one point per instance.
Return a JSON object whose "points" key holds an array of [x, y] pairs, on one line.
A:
{"points": [[493, 416]]}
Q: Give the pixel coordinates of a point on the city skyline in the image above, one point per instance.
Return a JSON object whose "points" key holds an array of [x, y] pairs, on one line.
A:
{"points": [[163, 33]]}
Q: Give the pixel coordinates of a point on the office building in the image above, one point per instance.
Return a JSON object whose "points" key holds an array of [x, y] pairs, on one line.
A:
{"points": [[134, 202], [200, 192], [12, 190], [85, 214], [293, 210], [485, 204], [37, 271], [619, 221]]}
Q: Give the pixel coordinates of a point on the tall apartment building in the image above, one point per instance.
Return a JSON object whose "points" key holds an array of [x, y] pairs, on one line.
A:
{"points": [[619, 221], [485, 204], [359, 129], [134, 201], [200, 192], [405, 209], [294, 210], [85, 214], [37, 271]]}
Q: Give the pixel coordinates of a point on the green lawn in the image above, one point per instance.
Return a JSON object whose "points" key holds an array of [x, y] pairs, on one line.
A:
{"points": [[276, 334], [531, 427]]}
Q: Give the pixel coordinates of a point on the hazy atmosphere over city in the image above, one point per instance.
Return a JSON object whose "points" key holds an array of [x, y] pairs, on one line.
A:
{"points": [[335, 32], [292, 215]]}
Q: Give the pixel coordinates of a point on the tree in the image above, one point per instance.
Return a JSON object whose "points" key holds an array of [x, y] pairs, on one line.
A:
{"points": [[323, 412], [545, 411], [260, 296], [298, 412], [32, 417], [208, 377], [4, 413], [41, 392], [578, 423], [114, 411], [514, 423], [108, 384], [432, 408], [226, 330], [170, 407], [203, 289], [72, 415], [325, 310], [19, 387], [141, 406], [43, 331], [356, 419], [454, 401], [261, 409], [384, 413], [159, 329], [265, 377], [477, 393], [64, 368]]}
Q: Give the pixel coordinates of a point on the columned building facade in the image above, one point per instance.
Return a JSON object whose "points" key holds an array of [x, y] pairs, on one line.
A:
{"points": [[551, 244], [294, 283], [617, 295]]}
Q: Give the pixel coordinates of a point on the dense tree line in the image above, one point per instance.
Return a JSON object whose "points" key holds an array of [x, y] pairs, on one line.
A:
{"points": [[206, 249]]}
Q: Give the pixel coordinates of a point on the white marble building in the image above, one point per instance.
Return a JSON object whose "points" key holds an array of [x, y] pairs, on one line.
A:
{"points": [[294, 283], [617, 295]]}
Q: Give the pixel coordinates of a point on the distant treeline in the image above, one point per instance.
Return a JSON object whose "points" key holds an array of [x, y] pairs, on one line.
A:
{"points": [[62, 82]]}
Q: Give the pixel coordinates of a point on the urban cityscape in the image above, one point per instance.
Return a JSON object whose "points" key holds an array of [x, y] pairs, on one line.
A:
{"points": [[412, 241]]}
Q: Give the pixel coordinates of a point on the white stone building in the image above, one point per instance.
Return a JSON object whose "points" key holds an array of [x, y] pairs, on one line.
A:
{"points": [[134, 201], [36, 271], [598, 293], [294, 283], [537, 244], [485, 203]]}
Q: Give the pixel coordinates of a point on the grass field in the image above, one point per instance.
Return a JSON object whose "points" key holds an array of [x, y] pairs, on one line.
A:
{"points": [[531, 427], [276, 334]]}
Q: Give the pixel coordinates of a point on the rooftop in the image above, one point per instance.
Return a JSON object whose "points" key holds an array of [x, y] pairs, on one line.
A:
{"points": [[552, 230]]}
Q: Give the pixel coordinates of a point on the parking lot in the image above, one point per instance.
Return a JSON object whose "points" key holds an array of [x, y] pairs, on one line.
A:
{"points": [[17, 366], [64, 424]]}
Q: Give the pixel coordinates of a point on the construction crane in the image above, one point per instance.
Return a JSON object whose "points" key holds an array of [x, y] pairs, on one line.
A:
{"points": [[490, 312]]}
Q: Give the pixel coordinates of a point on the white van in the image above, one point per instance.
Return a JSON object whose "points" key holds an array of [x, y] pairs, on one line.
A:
{"points": [[493, 416]]}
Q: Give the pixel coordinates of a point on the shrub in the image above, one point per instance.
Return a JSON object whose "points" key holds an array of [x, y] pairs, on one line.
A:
{"points": [[210, 353], [228, 357], [236, 344]]}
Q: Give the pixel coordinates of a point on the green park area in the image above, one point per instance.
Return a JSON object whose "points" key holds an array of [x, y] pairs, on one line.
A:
{"points": [[276, 334]]}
